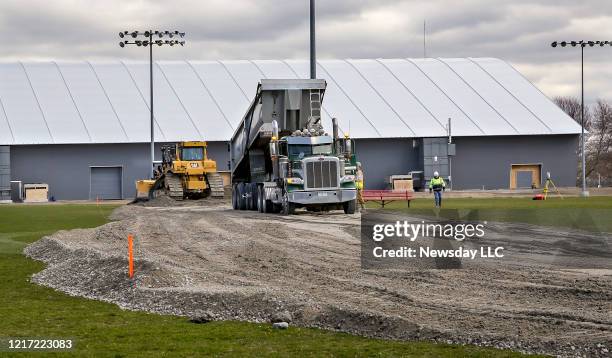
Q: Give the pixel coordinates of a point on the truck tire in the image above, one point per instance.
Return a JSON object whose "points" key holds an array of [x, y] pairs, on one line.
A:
{"points": [[350, 206], [234, 197], [287, 207], [251, 189], [242, 205], [261, 202], [248, 196], [255, 196]]}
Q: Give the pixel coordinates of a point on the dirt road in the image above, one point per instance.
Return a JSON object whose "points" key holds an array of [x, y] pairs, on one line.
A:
{"points": [[212, 262]]}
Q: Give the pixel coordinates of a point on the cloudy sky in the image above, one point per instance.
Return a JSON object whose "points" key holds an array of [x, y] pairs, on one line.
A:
{"points": [[519, 31]]}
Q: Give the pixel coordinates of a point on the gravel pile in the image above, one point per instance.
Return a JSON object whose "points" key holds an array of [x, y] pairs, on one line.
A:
{"points": [[208, 262]]}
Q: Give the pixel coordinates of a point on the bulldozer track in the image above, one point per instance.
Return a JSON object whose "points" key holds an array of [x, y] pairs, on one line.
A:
{"points": [[215, 182], [174, 187]]}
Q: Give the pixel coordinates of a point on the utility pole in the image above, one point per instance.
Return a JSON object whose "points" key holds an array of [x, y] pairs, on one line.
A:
{"points": [[149, 42], [313, 50], [424, 43]]}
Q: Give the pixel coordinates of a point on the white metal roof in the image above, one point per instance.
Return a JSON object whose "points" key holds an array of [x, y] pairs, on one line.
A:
{"points": [[108, 102]]}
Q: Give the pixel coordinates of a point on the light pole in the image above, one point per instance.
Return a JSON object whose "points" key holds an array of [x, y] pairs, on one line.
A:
{"points": [[313, 47], [137, 40], [582, 44]]}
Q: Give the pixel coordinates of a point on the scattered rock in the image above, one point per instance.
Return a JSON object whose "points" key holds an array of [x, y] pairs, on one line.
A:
{"points": [[280, 325], [200, 317], [283, 316]]}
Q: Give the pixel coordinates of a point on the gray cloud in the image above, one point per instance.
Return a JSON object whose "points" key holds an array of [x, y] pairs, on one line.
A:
{"points": [[518, 31]]}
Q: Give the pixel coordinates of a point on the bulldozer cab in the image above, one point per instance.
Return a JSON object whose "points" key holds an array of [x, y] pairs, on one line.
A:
{"points": [[191, 151]]}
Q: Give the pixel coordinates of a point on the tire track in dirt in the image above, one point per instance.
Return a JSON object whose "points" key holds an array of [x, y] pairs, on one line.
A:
{"points": [[250, 266]]}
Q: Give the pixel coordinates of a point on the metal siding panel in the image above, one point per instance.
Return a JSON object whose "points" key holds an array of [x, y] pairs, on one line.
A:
{"points": [[336, 103], [431, 96], [59, 111], [106, 183], [197, 102], [21, 107], [94, 107], [464, 97], [129, 104], [529, 95], [171, 117], [497, 97], [226, 92], [400, 99]]}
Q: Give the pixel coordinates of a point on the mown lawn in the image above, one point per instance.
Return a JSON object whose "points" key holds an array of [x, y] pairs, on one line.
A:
{"points": [[103, 330], [591, 213]]}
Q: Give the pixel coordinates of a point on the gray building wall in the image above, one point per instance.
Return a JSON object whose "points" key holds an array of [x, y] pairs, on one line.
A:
{"points": [[66, 168], [486, 161], [382, 158], [479, 161]]}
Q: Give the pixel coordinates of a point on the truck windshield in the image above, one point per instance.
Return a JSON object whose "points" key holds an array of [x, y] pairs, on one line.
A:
{"points": [[304, 150], [192, 153]]}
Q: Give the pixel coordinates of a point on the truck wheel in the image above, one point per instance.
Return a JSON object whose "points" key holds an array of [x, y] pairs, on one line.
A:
{"points": [[350, 206], [251, 189], [287, 207], [234, 197], [255, 196], [249, 196], [242, 205], [261, 202]]}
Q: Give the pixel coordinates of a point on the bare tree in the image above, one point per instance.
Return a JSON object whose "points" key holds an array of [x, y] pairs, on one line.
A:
{"points": [[599, 150], [571, 106], [598, 123]]}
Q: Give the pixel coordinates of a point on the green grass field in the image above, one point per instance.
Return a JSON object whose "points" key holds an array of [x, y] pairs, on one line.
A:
{"points": [[103, 330], [591, 214]]}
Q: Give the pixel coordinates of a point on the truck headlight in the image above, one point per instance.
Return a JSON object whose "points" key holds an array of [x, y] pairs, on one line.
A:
{"points": [[295, 181], [347, 178]]}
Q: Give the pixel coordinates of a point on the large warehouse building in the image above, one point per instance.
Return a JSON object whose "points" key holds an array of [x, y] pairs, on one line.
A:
{"points": [[83, 127]]}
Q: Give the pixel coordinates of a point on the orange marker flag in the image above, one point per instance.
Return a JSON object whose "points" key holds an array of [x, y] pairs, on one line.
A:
{"points": [[131, 255]]}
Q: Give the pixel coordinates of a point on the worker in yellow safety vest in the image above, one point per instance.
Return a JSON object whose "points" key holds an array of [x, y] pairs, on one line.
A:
{"points": [[437, 185], [359, 185]]}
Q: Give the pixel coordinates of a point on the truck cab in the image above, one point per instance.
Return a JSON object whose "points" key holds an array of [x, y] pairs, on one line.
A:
{"points": [[312, 164]]}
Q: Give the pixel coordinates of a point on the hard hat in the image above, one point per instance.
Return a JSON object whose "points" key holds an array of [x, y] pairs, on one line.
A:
{"points": [[436, 174]]}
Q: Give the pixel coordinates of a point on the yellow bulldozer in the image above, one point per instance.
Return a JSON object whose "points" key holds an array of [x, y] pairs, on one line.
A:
{"points": [[185, 172]]}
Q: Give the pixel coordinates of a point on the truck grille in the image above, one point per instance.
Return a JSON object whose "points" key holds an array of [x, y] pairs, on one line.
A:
{"points": [[321, 174]]}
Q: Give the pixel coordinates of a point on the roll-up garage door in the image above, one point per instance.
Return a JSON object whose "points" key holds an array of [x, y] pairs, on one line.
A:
{"points": [[105, 183], [5, 173]]}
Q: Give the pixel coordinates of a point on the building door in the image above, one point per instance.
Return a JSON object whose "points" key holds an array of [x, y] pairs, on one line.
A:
{"points": [[525, 176], [106, 183], [5, 173]]}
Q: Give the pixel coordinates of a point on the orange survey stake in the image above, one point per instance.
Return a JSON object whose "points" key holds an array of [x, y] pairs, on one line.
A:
{"points": [[131, 255]]}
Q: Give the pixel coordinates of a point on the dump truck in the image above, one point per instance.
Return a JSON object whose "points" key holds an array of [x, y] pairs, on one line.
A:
{"points": [[185, 172], [282, 159]]}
